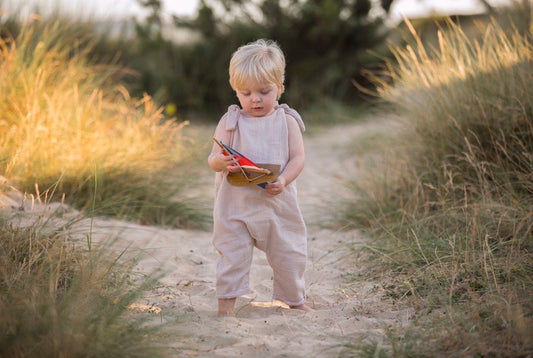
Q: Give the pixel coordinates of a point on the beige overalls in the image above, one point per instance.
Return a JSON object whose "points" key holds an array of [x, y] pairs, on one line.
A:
{"points": [[247, 216]]}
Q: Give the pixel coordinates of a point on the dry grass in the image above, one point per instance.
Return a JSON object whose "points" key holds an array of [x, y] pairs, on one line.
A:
{"points": [[60, 299], [69, 131], [451, 206], [69, 125]]}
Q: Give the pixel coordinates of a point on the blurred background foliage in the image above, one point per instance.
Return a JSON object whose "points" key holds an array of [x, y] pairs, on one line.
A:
{"points": [[326, 42], [329, 45], [182, 61]]}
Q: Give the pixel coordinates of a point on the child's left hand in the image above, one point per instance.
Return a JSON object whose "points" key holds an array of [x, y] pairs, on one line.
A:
{"points": [[276, 187]]}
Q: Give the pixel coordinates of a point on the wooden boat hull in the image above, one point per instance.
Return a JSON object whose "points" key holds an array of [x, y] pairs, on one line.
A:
{"points": [[254, 178]]}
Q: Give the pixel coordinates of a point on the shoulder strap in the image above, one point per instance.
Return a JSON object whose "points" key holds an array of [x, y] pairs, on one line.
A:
{"points": [[234, 111], [232, 117], [293, 113]]}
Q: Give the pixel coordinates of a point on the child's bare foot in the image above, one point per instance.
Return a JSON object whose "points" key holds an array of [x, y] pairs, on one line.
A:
{"points": [[303, 307], [226, 307]]}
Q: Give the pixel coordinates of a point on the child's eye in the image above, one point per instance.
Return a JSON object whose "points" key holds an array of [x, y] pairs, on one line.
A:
{"points": [[266, 91]]}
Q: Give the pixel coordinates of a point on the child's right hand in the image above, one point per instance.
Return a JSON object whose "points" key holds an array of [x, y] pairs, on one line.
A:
{"points": [[221, 162]]}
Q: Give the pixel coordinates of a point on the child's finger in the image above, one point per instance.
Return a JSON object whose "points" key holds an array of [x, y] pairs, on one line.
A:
{"points": [[273, 188], [233, 168]]}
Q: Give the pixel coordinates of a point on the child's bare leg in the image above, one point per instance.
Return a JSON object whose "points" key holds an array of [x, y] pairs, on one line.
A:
{"points": [[303, 307], [226, 307]]}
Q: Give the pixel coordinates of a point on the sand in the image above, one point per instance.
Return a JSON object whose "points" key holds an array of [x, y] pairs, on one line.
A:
{"points": [[350, 310]]}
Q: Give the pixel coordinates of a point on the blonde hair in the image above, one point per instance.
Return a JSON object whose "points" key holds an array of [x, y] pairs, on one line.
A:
{"points": [[261, 61]]}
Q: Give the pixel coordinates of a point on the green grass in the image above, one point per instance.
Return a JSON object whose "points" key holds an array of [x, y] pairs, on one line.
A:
{"points": [[450, 206], [69, 124]]}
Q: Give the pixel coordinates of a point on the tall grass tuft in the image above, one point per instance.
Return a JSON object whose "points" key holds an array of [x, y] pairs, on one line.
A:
{"points": [[61, 300], [452, 205], [68, 123]]}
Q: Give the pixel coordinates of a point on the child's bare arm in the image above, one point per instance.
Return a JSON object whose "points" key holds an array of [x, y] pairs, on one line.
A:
{"points": [[296, 152], [296, 159]]}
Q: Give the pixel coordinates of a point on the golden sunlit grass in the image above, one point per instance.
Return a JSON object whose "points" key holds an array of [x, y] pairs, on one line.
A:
{"points": [[70, 131], [451, 206], [70, 125]]}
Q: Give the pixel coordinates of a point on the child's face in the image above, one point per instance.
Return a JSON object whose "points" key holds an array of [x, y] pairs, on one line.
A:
{"points": [[258, 99]]}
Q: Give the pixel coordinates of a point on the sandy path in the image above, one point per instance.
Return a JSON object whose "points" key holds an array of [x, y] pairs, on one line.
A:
{"points": [[348, 310]]}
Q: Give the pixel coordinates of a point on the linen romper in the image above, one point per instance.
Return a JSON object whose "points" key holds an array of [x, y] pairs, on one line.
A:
{"points": [[246, 216]]}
